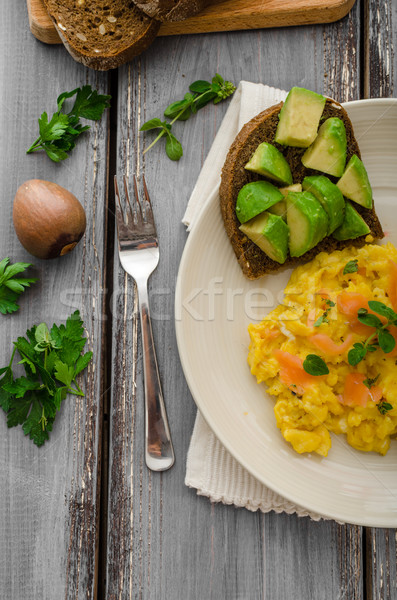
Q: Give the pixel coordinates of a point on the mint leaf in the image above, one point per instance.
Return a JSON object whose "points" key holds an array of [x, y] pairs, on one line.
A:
{"points": [[201, 93], [152, 124], [173, 147], [200, 86], [183, 106]]}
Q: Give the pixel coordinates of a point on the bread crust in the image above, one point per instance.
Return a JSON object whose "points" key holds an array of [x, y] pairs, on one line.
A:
{"points": [[262, 128], [121, 38], [169, 10]]}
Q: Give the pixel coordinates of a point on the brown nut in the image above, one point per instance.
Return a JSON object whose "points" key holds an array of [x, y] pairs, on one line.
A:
{"points": [[49, 220]]}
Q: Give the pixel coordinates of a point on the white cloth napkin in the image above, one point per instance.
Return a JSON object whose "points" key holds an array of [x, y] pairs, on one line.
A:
{"points": [[210, 468]]}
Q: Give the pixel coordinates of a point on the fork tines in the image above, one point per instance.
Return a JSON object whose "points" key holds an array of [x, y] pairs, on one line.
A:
{"points": [[137, 216]]}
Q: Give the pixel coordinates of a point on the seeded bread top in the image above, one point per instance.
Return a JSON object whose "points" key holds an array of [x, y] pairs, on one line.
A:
{"points": [[102, 34], [262, 128]]}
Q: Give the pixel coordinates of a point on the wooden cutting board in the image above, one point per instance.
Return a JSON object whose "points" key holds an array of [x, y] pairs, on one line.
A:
{"points": [[230, 15]]}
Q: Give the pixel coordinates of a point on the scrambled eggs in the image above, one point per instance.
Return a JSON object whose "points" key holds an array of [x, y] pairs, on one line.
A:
{"points": [[320, 316]]}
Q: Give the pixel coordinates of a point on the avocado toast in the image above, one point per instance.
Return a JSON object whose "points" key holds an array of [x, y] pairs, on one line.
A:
{"points": [[319, 216]]}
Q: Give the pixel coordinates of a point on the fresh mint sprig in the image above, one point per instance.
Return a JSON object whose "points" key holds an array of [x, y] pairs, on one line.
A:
{"points": [[59, 134], [201, 93]]}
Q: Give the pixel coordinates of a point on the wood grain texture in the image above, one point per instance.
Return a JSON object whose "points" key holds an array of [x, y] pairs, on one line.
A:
{"points": [[40, 23], [163, 540], [380, 44], [48, 495], [229, 15], [380, 78]]}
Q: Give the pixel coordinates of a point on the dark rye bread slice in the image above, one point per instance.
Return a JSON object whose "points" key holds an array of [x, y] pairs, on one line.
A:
{"points": [[172, 10], [262, 128], [102, 34]]}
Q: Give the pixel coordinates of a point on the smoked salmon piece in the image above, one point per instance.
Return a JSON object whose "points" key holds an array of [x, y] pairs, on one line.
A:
{"points": [[328, 346], [348, 304], [356, 393], [292, 372]]}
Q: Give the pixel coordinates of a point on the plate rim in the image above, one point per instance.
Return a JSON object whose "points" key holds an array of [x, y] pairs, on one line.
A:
{"points": [[329, 514]]}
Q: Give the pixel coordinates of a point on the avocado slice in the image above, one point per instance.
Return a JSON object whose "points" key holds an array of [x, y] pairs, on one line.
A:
{"points": [[269, 162], [354, 183], [270, 233], [254, 198], [330, 196], [328, 151], [307, 222], [295, 187], [299, 118], [280, 208], [353, 225]]}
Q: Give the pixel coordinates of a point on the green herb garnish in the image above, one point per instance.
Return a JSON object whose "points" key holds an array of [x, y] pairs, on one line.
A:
{"points": [[201, 93], [324, 316], [11, 287], [52, 360], [384, 407], [351, 267], [314, 365], [380, 338], [370, 382], [58, 135]]}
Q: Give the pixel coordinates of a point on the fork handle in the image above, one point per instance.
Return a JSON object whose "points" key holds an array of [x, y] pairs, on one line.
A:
{"points": [[159, 452]]}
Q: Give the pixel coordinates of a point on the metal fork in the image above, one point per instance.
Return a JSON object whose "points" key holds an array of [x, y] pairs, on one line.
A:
{"points": [[139, 256]]}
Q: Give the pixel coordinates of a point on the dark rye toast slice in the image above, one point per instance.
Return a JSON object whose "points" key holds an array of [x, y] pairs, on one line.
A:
{"points": [[102, 34], [262, 128]]}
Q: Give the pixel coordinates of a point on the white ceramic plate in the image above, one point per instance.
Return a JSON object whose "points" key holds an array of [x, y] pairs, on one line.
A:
{"points": [[214, 305]]}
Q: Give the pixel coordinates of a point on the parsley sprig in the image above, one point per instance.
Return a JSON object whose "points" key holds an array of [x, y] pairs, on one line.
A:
{"points": [[201, 93], [380, 338], [52, 360], [11, 287], [58, 135]]}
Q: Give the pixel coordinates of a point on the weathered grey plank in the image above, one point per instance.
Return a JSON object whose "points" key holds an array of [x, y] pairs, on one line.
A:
{"points": [[164, 541], [381, 82], [48, 495], [380, 48]]}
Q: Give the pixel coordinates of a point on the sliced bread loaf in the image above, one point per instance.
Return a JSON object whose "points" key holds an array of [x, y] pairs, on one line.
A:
{"points": [[102, 34], [172, 10], [262, 128]]}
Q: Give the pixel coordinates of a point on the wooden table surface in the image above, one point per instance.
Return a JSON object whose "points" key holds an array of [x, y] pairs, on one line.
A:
{"points": [[82, 517]]}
